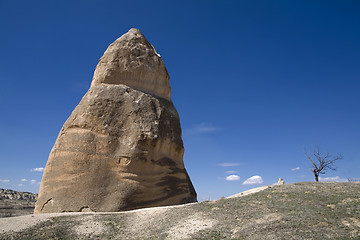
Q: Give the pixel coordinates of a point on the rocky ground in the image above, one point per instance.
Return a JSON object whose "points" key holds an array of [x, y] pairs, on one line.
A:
{"points": [[13, 203], [290, 211]]}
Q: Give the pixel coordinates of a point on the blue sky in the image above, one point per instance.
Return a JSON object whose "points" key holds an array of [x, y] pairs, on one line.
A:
{"points": [[254, 82]]}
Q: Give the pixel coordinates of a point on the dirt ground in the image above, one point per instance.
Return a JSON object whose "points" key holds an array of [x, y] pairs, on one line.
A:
{"points": [[290, 211]]}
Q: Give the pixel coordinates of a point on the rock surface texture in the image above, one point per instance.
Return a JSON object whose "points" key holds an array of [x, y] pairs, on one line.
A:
{"points": [[121, 148]]}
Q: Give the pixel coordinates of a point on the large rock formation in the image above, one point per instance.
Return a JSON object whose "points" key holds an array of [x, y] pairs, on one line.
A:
{"points": [[121, 148]]}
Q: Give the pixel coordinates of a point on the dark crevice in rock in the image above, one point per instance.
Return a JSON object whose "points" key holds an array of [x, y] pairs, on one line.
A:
{"points": [[45, 203]]}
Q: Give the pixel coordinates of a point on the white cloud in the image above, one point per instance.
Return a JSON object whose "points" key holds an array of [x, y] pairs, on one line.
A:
{"points": [[295, 169], [4, 180], [232, 178], [303, 175], [24, 180], [32, 181], [230, 172], [40, 169], [229, 164], [20, 185], [253, 180], [332, 179], [202, 128]]}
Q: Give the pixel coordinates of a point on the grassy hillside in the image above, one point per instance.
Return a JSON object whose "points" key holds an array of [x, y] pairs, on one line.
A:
{"points": [[291, 211]]}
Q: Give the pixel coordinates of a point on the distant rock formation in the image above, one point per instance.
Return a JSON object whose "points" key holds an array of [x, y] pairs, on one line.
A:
{"points": [[14, 203], [121, 148], [280, 182], [15, 195]]}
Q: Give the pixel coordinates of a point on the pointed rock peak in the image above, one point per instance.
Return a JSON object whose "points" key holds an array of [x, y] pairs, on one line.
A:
{"points": [[133, 33], [131, 60]]}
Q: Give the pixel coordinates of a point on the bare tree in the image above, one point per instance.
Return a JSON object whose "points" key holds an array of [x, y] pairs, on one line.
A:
{"points": [[321, 162]]}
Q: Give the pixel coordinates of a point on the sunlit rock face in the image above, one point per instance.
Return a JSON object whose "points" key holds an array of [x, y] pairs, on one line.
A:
{"points": [[131, 60], [121, 147]]}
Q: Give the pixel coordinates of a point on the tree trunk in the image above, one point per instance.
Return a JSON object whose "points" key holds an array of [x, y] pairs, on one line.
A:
{"points": [[316, 177]]}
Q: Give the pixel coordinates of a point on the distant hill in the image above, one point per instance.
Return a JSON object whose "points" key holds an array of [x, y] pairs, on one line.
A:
{"points": [[13, 203], [290, 211]]}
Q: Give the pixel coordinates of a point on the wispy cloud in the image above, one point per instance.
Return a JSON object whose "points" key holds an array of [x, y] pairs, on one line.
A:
{"points": [[229, 164], [40, 169], [24, 180], [32, 181], [253, 180], [202, 128], [295, 169], [332, 179], [20, 185], [232, 178], [230, 172], [4, 180]]}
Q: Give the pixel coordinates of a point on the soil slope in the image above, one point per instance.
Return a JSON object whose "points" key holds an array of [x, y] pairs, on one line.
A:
{"points": [[291, 211]]}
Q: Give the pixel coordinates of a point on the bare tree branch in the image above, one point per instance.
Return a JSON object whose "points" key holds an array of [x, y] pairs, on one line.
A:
{"points": [[321, 163]]}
